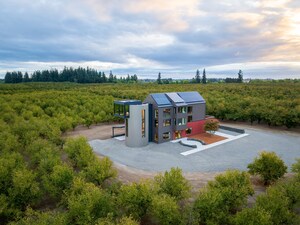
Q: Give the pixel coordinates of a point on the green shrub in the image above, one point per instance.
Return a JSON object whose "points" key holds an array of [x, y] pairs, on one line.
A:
{"points": [[59, 180], [99, 170], [165, 210], [135, 199], [252, 216], [41, 218], [86, 203], [235, 187], [277, 204], [209, 207], [79, 151], [296, 167], [269, 166], [173, 183]]}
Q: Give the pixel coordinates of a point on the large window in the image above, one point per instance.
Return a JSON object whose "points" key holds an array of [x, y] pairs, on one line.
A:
{"points": [[167, 123], [190, 118], [166, 135], [182, 109], [167, 113], [156, 123], [190, 109], [143, 123], [181, 121]]}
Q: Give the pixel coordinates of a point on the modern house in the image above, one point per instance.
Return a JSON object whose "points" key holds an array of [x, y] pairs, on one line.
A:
{"points": [[161, 117]]}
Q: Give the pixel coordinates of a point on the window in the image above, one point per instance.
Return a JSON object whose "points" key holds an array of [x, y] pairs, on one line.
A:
{"points": [[182, 109], [156, 114], [156, 123], [181, 121], [143, 123], [174, 122], [190, 109], [166, 135], [126, 127], [167, 113], [127, 110], [156, 137], [121, 110], [188, 130], [167, 123], [190, 118], [174, 110]]}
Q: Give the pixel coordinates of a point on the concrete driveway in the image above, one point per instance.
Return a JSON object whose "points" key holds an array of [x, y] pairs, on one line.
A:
{"points": [[236, 154]]}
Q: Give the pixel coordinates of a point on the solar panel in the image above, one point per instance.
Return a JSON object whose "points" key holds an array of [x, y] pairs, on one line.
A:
{"points": [[175, 97], [161, 99], [191, 97]]}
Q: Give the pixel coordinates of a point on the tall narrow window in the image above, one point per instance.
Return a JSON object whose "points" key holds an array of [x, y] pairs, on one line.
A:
{"points": [[156, 114], [126, 127], [143, 123]]}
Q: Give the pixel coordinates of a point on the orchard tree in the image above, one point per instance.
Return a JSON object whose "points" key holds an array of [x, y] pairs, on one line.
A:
{"points": [[252, 216], [135, 199], [173, 184], [269, 166], [165, 210]]}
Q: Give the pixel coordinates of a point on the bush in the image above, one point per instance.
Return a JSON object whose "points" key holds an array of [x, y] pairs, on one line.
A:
{"points": [[165, 210], [173, 183], [296, 167], [277, 204], [269, 166], [41, 218], [209, 208], [135, 199], [59, 180], [79, 151], [86, 203], [252, 216], [234, 186], [211, 126], [98, 170]]}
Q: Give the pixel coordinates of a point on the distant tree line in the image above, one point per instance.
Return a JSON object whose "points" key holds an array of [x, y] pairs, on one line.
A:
{"points": [[235, 80], [79, 75]]}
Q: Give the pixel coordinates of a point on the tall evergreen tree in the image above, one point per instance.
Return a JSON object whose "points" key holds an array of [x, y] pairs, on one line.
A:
{"points": [[240, 76], [8, 78], [197, 77], [110, 77], [26, 77], [204, 77], [159, 78]]}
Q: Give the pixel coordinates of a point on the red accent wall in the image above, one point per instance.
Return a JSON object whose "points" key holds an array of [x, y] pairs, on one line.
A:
{"points": [[197, 128]]}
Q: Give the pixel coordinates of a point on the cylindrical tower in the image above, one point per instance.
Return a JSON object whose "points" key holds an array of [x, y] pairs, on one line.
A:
{"points": [[137, 126]]}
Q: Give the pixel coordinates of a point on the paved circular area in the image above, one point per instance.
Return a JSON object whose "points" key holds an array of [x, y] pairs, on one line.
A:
{"points": [[236, 154]]}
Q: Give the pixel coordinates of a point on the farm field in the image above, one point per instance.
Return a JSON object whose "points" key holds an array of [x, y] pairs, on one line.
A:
{"points": [[46, 178]]}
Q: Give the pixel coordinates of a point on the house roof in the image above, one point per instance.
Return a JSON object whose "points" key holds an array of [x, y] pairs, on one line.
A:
{"points": [[128, 102], [177, 98], [191, 97], [161, 99]]}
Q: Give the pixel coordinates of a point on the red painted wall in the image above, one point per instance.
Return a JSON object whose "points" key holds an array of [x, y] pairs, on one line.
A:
{"points": [[197, 128]]}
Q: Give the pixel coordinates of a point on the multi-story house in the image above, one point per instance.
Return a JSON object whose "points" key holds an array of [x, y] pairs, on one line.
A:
{"points": [[162, 117]]}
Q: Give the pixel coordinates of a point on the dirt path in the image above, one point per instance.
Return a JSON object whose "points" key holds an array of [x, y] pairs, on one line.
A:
{"points": [[100, 131]]}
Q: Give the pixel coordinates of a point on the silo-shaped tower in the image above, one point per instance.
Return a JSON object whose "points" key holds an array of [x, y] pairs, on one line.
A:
{"points": [[136, 116]]}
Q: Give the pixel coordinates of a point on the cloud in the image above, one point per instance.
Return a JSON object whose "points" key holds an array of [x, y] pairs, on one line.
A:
{"points": [[132, 36]]}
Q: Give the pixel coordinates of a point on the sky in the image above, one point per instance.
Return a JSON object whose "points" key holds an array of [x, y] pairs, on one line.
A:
{"points": [[144, 37]]}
